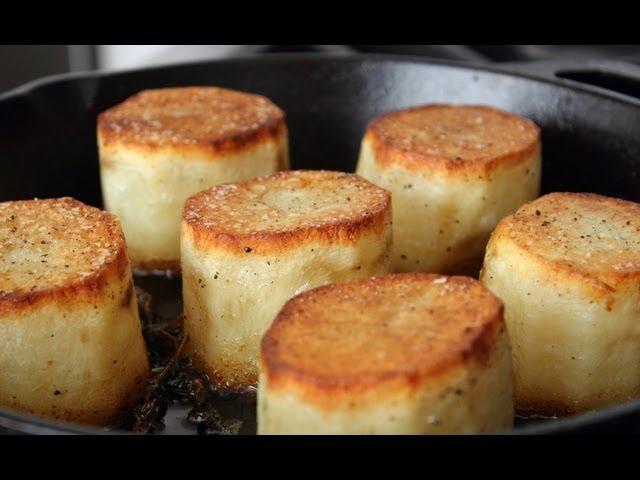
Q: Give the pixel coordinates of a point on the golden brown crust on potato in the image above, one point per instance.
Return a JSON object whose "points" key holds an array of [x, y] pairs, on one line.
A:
{"points": [[558, 406], [288, 208], [551, 408], [93, 417], [50, 249], [585, 236], [452, 139], [170, 266], [389, 332], [216, 119], [225, 376]]}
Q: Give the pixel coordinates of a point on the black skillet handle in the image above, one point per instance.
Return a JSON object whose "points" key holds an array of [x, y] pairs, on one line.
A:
{"points": [[617, 77]]}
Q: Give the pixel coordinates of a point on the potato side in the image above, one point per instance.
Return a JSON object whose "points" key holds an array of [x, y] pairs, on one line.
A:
{"points": [[431, 407], [442, 221], [147, 190], [221, 287], [574, 349]]}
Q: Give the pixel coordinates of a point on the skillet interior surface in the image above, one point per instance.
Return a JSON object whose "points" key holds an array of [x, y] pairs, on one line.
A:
{"points": [[590, 140]]}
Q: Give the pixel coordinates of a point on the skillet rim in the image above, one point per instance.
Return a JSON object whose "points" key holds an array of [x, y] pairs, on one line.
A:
{"points": [[26, 423], [498, 68]]}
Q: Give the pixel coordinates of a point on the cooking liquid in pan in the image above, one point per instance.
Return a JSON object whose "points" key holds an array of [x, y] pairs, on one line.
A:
{"points": [[180, 399], [176, 389]]}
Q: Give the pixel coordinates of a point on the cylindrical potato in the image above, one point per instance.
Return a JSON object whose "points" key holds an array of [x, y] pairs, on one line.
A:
{"points": [[72, 346], [454, 172], [249, 247], [567, 267], [161, 146], [399, 354]]}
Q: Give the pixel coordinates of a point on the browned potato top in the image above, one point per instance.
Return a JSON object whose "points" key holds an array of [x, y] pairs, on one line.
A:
{"points": [[47, 246], [209, 117], [272, 212], [452, 137], [594, 237], [364, 333]]}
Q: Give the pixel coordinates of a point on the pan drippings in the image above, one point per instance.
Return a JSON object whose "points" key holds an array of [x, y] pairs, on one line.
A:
{"points": [[174, 381]]}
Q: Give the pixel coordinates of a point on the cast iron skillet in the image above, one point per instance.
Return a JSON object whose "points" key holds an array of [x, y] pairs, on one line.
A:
{"points": [[590, 134]]}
